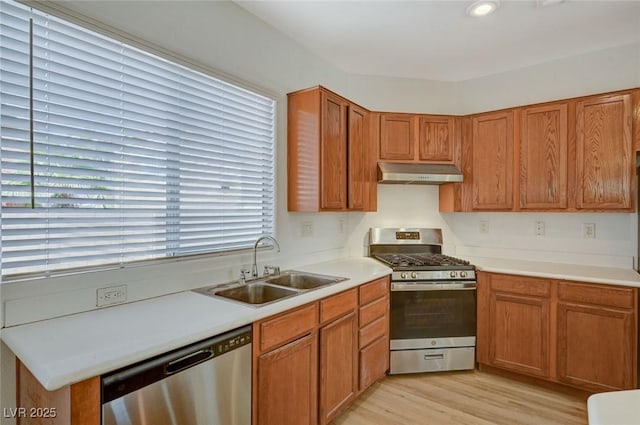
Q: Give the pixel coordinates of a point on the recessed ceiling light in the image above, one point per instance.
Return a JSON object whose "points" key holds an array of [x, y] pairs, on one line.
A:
{"points": [[482, 8]]}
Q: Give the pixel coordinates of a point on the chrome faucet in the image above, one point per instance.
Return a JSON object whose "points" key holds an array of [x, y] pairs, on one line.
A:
{"points": [[254, 268]]}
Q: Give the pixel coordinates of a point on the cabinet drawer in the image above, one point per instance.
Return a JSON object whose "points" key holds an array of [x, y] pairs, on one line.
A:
{"points": [[338, 305], [373, 331], [288, 326], [373, 311], [521, 285], [373, 290], [605, 295]]}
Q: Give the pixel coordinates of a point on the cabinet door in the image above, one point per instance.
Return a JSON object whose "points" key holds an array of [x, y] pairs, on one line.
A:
{"points": [[338, 366], [287, 380], [492, 163], [520, 333], [596, 347], [358, 163], [436, 139], [333, 153], [397, 137], [543, 157], [605, 167], [374, 362]]}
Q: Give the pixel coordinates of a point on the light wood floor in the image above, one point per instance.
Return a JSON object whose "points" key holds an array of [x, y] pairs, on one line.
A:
{"points": [[464, 398]]}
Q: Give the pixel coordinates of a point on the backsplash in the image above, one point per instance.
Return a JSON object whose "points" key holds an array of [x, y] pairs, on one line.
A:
{"points": [[513, 235]]}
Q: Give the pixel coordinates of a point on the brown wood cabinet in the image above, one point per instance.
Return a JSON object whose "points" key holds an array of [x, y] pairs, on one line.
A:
{"points": [[374, 332], [397, 137], [77, 404], [285, 368], [544, 157], [519, 311], [308, 363], [579, 334], [338, 353], [492, 161], [605, 161], [329, 153], [338, 366], [571, 155], [417, 138], [596, 347], [287, 383]]}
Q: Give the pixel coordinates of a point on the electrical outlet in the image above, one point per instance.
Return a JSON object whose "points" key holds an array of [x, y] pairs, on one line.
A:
{"points": [[484, 226], [306, 229], [589, 230], [341, 226], [111, 295], [539, 228]]}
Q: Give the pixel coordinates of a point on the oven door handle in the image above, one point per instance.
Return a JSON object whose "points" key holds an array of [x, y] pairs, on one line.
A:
{"points": [[435, 286]]}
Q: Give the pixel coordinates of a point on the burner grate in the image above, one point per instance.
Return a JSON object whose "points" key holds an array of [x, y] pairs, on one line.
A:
{"points": [[420, 260]]}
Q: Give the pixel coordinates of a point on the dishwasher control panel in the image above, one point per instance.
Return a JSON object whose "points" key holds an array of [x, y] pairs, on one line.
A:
{"points": [[232, 343]]}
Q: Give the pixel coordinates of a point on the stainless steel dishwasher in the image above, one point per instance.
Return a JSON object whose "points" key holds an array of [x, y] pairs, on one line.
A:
{"points": [[206, 383]]}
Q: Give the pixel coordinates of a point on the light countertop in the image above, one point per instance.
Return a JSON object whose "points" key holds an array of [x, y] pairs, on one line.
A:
{"points": [[614, 408], [70, 349], [581, 273]]}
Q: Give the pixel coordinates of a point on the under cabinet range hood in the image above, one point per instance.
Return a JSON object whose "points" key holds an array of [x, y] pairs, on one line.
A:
{"points": [[412, 173]]}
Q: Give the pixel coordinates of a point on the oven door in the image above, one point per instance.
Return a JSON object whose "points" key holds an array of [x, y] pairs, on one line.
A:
{"points": [[433, 314]]}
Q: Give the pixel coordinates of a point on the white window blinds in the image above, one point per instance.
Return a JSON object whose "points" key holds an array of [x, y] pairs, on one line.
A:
{"points": [[110, 154]]}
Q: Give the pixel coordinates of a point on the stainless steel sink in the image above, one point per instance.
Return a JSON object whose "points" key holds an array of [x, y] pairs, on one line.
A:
{"points": [[256, 293], [267, 290], [302, 280]]}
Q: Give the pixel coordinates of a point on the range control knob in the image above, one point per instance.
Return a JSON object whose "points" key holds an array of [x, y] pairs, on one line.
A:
{"points": [[453, 274], [403, 275], [463, 274], [414, 275]]}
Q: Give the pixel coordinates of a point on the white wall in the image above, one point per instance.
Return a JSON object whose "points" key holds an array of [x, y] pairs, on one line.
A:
{"points": [[596, 72]]}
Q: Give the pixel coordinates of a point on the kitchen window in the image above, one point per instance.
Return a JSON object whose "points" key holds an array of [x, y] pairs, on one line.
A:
{"points": [[111, 155]]}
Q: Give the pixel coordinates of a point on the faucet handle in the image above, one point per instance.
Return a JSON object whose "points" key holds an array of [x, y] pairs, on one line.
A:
{"points": [[271, 271], [243, 275]]}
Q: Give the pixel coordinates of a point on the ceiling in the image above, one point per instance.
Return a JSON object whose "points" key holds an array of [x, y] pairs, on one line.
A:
{"points": [[436, 40]]}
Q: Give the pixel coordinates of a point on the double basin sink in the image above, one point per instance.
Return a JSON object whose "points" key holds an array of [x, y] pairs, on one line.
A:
{"points": [[271, 288]]}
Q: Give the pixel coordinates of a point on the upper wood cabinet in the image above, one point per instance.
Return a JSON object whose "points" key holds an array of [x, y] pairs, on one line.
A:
{"points": [[543, 157], [572, 155], [357, 155], [333, 152], [605, 166], [421, 138], [329, 153], [436, 139], [397, 137], [492, 161]]}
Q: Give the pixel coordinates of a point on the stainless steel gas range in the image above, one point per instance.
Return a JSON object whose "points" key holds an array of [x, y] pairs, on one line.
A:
{"points": [[433, 301]]}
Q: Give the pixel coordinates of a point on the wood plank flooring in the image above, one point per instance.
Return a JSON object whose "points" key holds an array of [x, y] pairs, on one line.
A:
{"points": [[464, 398]]}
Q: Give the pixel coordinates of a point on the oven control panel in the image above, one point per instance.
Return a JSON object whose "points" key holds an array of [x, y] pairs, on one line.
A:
{"points": [[435, 275]]}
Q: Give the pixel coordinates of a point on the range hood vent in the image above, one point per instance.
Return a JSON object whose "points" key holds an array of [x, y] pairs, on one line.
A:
{"points": [[412, 173]]}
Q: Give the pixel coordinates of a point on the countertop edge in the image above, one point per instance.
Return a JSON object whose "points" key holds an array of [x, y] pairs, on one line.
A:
{"points": [[560, 271]]}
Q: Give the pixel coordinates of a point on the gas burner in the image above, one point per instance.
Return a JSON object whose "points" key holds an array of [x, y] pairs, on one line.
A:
{"points": [[421, 261]]}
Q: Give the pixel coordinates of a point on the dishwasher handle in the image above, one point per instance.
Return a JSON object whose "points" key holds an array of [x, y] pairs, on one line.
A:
{"points": [[187, 361]]}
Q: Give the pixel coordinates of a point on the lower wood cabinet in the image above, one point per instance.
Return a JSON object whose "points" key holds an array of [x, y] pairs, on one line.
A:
{"points": [[579, 334], [374, 332], [287, 383], [596, 337], [310, 363], [338, 366]]}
